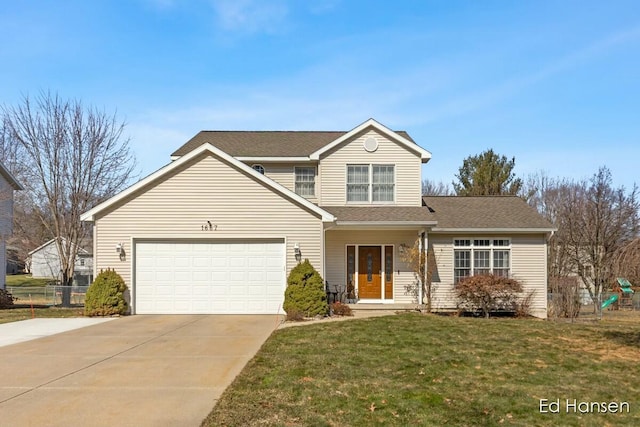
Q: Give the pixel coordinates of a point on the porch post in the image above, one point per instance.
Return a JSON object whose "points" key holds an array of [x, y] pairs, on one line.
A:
{"points": [[425, 273]]}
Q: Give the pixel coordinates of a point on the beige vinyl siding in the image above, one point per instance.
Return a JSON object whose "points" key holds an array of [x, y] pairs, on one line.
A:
{"points": [[528, 265], [337, 241], [206, 189], [283, 174], [333, 169]]}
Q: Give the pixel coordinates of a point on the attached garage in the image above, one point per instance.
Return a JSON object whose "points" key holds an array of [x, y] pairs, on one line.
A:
{"points": [[209, 277]]}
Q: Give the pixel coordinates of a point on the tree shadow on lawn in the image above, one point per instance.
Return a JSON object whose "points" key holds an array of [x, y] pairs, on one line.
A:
{"points": [[631, 338]]}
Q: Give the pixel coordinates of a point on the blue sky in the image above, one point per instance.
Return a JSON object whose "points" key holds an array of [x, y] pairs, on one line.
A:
{"points": [[555, 84]]}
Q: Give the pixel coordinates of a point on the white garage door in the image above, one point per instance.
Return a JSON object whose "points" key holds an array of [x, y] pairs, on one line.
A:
{"points": [[211, 278]]}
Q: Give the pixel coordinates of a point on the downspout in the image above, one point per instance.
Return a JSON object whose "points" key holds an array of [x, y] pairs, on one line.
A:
{"points": [[420, 283]]}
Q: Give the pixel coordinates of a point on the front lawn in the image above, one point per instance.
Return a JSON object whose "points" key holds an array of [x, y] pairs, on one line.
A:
{"points": [[25, 280], [412, 369], [15, 314]]}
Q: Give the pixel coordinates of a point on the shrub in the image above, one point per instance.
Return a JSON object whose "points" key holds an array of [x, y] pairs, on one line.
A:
{"points": [[487, 293], [295, 316], [105, 296], [523, 306], [305, 291], [6, 299], [340, 309]]}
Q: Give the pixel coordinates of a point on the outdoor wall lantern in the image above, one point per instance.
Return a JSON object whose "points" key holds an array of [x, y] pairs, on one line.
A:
{"points": [[296, 252], [120, 251], [403, 247]]}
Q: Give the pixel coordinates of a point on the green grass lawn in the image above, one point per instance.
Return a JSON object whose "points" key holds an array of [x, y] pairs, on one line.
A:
{"points": [[15, 314], [25, 280], [429, 370]]}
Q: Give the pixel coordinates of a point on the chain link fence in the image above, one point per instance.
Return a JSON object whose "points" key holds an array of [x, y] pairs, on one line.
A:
{"points": [[47, 295]]}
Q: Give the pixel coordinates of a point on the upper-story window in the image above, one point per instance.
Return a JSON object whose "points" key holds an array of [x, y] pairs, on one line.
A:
{"points": [[258, 168], [305, 181], [370, 183]]}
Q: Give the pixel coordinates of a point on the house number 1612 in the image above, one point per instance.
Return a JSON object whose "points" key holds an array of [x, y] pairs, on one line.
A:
{"points": [[209, 227]]}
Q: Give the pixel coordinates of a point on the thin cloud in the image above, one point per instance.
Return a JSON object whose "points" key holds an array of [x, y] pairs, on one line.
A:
{"points": [[250, 16]]}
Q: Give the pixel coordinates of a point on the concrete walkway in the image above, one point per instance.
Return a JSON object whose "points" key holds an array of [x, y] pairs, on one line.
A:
{"points": [[132, 371], [26, 330]]}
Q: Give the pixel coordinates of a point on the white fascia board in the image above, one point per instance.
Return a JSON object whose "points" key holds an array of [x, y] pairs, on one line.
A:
{"points": [[493, 230], [274, 159], [64, 240], [41, 246], [424, 154], [173, 158], [90, 214], [384, 224]]}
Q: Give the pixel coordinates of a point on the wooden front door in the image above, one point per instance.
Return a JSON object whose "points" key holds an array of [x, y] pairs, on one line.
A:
{"points": [[369, 269]]}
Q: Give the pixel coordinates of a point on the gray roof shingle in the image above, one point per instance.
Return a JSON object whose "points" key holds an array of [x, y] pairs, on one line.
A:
{"points": [[265, 143], [381, 213], [485, 212]]}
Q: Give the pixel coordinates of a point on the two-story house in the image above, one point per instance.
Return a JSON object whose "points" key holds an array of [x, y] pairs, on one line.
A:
{"points": [[218, 229], [8, 184]]}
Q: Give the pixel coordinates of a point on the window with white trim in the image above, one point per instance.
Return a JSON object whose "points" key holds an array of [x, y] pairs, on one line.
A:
{"points": [[481, 256], [305, 181], [357, 183], [370, 183], [383, 183]]}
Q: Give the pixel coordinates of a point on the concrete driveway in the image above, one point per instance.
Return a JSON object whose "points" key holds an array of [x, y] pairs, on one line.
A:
{"points": [[152, 370]]}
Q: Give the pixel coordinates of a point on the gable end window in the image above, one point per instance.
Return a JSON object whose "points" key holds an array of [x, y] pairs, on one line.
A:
{"points": [[305, 181], [481, 256], [370, 183], [258, 168]]}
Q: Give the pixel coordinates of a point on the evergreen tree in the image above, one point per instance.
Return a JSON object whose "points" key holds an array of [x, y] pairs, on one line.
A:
{"points": [[487, 174]]}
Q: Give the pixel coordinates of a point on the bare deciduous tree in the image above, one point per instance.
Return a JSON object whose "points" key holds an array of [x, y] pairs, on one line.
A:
{"points": [[433, 188], [74, 158], [594, 220]]}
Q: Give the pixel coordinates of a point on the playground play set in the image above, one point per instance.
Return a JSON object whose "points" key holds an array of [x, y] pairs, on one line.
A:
{"points": [[623, 297]]}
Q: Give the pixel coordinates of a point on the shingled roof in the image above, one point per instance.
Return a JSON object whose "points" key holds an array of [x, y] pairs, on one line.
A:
{"points": [[266, 143], [485, 212], [396, 214]]}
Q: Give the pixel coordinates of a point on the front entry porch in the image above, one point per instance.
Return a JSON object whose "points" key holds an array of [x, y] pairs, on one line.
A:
{"points": [[366, 267]]}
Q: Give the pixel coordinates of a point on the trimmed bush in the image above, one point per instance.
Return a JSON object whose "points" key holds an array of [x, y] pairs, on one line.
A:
{"points": [[340, 309], [105, 296], [487, 293], [6, 299], [305, 291]]}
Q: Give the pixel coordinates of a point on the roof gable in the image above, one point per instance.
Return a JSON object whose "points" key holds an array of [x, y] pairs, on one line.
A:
{"points": [[81, 250], [208, 148], [372, 124]]}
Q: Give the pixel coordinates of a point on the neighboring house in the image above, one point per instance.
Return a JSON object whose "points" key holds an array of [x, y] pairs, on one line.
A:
{"points": [[44, 262], [219, 228], [8, 184]]}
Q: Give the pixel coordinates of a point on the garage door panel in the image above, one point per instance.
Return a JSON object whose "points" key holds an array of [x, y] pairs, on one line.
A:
{"points": [[209, 277]]}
